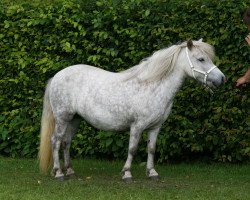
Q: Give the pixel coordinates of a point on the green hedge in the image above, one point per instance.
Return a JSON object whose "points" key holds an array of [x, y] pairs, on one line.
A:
{"points": [[37, 39]]}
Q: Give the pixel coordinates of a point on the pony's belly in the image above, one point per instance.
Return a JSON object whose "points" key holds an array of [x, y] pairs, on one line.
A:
{"points": [[108, 124], [105, 114], [107, 121]]}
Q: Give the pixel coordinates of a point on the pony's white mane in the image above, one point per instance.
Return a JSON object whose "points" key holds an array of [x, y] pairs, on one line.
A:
{"points": [[162, 62]]}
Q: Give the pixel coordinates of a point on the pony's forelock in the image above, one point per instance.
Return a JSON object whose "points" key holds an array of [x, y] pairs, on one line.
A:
{"points": [[205, 47]]}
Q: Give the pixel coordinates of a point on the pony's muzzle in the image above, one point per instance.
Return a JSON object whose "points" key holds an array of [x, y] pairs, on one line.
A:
{"points": [[220, 81]]}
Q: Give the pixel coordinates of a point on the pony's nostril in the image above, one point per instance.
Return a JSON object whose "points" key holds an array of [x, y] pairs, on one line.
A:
{"points": [[223, 79]]}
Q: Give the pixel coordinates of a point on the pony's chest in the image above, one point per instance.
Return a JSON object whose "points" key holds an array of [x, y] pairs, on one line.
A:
{"points": [[157, 110]]}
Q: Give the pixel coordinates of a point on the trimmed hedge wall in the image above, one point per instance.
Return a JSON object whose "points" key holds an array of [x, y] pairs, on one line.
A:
{"points": [[39, 39]]}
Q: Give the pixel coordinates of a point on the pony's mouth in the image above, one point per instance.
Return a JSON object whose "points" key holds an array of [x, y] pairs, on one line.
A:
{"points": [[216, 83], [213, 85]]}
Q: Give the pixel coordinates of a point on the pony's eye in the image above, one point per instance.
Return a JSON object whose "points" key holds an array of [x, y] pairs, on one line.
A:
{"points": [[201, 59]]}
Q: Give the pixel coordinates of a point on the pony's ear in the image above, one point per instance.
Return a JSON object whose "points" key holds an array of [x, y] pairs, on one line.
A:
{"points": [[200, 40], [190, 44]]}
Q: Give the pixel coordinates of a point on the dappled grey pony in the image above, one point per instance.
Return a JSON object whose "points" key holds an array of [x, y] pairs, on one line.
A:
{"points": [[136, 99]]}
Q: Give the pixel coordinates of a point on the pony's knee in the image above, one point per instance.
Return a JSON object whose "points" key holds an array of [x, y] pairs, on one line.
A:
{"points": [[151, 150], [132, 150]]}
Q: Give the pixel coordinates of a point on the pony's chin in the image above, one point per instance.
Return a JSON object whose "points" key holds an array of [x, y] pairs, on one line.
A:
{"points": [[214, 84]]}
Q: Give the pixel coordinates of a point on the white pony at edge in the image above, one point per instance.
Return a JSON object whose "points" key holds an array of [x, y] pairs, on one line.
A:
{"points": [[136, 99]]}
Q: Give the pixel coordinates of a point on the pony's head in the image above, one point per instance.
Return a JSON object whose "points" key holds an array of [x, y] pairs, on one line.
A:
{"points": [[193, 57], [200, 64]]}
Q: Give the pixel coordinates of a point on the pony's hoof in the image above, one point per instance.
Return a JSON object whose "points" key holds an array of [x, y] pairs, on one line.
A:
{"points": [[71, 175], [60, 178], [154, 178], [70, 172], [128, 180]]}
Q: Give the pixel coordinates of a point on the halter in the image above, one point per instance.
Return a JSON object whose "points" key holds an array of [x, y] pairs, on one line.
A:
{"points": [[199, 71]]}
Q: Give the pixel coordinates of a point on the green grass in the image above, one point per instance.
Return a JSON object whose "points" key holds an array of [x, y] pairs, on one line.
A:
{"points": [[20, 179]]}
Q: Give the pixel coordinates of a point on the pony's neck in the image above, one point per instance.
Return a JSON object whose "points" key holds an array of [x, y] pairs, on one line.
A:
{"points": [[155, 67], [171, 84]]}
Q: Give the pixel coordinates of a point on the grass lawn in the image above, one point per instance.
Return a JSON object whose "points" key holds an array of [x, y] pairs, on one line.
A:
{"points": [[20, 179]]}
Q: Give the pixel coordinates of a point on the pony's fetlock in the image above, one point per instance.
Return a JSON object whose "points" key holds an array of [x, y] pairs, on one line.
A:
{"points": [[53, 172], [70, 172], [152, 174], [58, 174]]}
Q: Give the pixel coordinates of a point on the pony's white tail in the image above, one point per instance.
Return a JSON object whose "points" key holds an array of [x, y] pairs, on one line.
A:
{"points": [[47, 129]]}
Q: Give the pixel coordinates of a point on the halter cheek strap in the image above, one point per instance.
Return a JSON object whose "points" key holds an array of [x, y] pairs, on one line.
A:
{"points": [[199, 71]]}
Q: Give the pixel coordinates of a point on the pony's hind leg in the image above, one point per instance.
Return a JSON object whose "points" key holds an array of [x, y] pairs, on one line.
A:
{"points": [[67, 161], [70, 132], [60, 130]]}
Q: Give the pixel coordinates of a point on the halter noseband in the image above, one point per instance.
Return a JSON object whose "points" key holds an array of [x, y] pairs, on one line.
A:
{"points": [[199, 71]]}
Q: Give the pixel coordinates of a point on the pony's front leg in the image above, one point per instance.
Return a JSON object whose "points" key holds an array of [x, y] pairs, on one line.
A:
{"points": [[135, 135], [152, 137]]}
